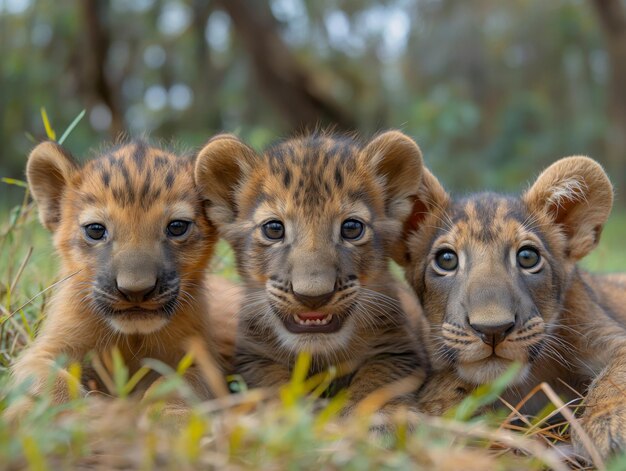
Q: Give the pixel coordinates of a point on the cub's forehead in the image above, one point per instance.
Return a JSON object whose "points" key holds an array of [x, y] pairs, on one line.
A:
{"points": [[488, 217], [314, 173], [137, 175]]}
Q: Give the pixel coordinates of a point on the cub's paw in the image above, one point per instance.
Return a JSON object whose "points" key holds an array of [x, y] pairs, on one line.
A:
{"points": [[442, 392], [606, 429]]}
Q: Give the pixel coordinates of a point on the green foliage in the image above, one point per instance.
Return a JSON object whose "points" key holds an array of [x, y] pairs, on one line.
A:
{"points": [[492, 92]]}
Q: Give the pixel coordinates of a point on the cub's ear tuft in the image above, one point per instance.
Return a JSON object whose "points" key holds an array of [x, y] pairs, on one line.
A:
{"points": [[49, 170], [576, 194], [396, 159], [220, 169]]}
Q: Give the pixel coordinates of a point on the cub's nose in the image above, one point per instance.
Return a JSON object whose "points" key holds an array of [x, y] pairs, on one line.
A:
{"points": [[136, 291], [493, 334], [313, 302]]}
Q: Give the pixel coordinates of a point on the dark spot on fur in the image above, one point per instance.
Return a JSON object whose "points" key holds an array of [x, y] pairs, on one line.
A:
{"points": [[120, 196], [338, 177], [140, 154], [160, 161], [287, 178], [169, 180], [145, 194]]}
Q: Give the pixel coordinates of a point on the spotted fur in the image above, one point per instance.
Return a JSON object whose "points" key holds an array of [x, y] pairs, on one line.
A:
{"points": [[138, 288], [558, 321], [311, 185]]}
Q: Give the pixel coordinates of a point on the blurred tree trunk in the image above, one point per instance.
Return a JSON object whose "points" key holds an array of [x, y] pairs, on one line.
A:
{"points": [[286, 82], [208, 80], [612, 14], [96, 84]]}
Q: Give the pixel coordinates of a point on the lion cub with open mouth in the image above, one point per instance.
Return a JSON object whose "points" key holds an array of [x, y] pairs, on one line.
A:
{"points": [[313, 222], [134, 243], [498, 280]]}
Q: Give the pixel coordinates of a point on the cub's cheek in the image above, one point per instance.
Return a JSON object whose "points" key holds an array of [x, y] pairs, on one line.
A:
{"points": [[443, 391]]}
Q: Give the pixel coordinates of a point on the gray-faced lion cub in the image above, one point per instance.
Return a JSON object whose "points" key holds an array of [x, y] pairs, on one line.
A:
{"points": [[498, 281], [313, 222]]}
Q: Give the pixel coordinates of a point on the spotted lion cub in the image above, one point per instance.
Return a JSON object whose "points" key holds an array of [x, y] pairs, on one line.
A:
{"points": [[134, 243], [498, 280], [313, 222]]}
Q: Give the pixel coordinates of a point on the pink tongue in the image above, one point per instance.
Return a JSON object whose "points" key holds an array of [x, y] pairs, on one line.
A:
{"points": [[312, 316]]}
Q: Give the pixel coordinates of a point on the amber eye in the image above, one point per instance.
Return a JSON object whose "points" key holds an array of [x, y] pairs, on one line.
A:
{"points": [[177, 228], [447, 260], [274, 230], [95, 231], [351, 229], [528, 258]]}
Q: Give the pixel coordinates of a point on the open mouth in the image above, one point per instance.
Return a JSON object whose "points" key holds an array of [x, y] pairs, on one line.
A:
{"points": [[312, 323]]}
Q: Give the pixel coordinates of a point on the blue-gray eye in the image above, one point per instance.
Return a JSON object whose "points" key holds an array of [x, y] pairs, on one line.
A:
{"points": [[351, 229], [447, 260], [95, 231], [177, 228], [274, 230], [528, 257]]}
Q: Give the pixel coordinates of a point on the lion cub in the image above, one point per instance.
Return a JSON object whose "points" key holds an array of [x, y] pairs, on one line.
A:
{"points": [[313, 222], [134, 243], [498, 280]]}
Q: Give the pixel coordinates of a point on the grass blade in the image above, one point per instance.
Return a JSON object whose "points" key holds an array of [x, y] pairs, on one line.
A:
{"points": [[46, 123], [71, 127], [14, 181]]}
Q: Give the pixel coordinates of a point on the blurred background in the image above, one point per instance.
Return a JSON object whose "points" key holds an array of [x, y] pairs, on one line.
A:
{"points": [[492, 91]]}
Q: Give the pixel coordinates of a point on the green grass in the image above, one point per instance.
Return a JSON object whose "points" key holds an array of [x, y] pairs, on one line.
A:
{"points": [[265, 429]]}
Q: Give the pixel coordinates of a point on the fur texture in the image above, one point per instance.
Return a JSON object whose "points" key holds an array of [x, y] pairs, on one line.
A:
{"points": [[132, 280], [498, 306], [310, 265]]}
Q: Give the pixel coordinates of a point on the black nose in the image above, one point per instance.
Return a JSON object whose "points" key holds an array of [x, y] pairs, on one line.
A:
{"points": [[493, 334], [137, 292], [314, 302]]}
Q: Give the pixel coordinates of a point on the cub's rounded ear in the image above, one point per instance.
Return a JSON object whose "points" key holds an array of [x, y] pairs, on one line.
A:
{"points": [[48, 171], [431, 200], [397, 159], [220, 168], [575, 193]]}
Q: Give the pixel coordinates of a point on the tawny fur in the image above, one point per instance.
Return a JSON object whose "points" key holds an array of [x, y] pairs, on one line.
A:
{"points": [[570, 326], [134, 190], [312, 184]]}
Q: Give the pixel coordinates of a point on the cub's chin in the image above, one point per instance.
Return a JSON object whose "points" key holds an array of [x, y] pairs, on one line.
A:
{"points": [[138, 323], [488, 370]]}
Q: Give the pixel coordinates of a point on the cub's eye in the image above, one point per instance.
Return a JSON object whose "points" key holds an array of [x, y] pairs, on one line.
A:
{"points": [[274, 230], [528, 258], [447, 260], [177, 228], [95, 231], [351, 229]]}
